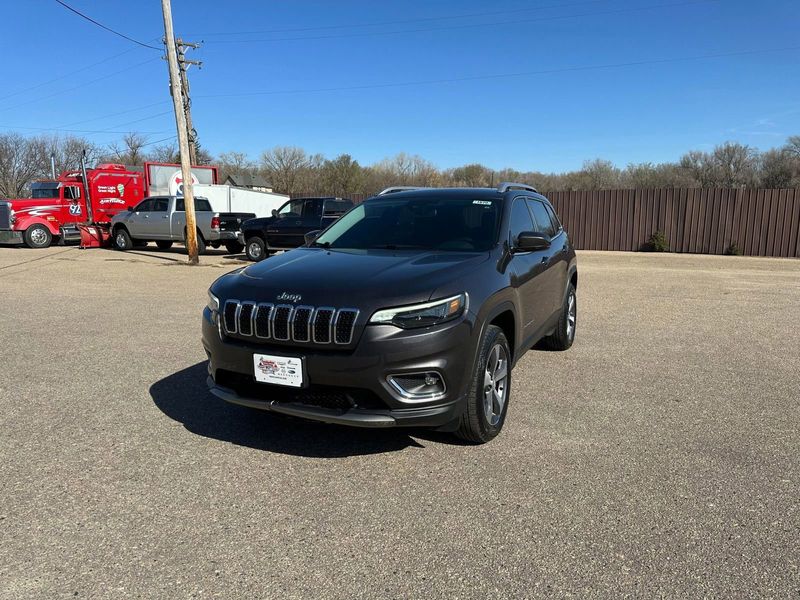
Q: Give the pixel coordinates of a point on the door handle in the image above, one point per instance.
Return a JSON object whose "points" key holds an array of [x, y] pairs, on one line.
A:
{"points": [[165, 217], [146, 216]]}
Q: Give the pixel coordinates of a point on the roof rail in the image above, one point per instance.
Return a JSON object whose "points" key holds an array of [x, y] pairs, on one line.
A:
{"points": [[399, 188], [509, 185]]}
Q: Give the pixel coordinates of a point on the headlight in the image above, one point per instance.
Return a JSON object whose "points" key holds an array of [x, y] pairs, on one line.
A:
{"points": [[423, 315], [12, 218], [213, 302]]}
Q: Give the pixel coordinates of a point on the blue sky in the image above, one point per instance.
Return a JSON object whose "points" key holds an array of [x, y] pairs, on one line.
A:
{"points": [[277, 73]]}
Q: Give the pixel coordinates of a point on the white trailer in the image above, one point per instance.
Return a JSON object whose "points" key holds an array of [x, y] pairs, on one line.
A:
{"points": [[226, 198]]}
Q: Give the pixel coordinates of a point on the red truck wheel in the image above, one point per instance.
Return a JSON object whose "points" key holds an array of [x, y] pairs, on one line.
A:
{"points": [[38, 236]]}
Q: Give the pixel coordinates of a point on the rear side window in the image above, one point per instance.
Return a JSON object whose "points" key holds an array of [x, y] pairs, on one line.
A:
{"points": [[520, 220], [553, 217], [543, 223], [200, 205], [336, 207], [312, 208]]}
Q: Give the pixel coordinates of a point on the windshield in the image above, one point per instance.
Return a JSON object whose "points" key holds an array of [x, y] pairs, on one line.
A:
{"points": [[44, 189], [460, 224]]}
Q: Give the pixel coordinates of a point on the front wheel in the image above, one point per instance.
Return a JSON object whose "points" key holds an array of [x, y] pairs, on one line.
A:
{"points": [[564, 335], [122, 240], [488, 396], [38, 236], [255, 249]]}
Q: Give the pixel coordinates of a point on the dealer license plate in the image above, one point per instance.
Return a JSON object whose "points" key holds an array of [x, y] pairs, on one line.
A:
{"points": [[278, 370]]}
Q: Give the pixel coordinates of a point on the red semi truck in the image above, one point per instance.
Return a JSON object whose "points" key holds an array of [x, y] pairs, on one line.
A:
{"points": [[57, 207]]}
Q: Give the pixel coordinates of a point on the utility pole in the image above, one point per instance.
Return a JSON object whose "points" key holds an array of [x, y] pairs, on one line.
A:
{"points": [[184, 65], [176, 89]]}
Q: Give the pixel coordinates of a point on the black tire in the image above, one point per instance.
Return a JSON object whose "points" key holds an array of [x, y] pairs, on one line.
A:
{"points": [[38, 236], [256, 248], [122, 239], [201, 243], [164, 244], [564, 335], [475, 425], [233, 247]]}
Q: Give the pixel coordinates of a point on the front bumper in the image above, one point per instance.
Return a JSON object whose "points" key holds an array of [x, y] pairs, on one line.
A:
{"points": [[358, 373], [10, 236]]}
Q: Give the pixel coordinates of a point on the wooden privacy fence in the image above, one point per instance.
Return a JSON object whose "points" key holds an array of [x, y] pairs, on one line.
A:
{"points": [[706, 221]]}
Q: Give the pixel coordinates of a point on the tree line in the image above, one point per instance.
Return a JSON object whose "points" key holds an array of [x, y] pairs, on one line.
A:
{"points": [[292, 170]]}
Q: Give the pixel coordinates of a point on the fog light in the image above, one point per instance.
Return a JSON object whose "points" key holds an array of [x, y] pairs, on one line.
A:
{"points": [[427, 385]]}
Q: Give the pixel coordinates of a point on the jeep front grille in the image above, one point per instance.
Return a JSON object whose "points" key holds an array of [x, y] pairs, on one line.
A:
{"points": [[285, 322]]}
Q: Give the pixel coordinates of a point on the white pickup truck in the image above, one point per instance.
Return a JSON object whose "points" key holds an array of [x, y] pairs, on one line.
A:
{"points": [[162, 219]]}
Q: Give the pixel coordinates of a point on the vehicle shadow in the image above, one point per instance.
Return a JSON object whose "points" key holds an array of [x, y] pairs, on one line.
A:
{"points": [[184, 397]]}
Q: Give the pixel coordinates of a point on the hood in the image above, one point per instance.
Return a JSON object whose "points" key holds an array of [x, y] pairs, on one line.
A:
{"points": [[35, 207], [363, 279]]}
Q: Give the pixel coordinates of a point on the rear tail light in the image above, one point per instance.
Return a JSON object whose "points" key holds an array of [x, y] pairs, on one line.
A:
{"points": [[215, 222]]}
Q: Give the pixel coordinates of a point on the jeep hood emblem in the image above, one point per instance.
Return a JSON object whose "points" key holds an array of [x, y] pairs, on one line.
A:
{"points": [[287, 297]]}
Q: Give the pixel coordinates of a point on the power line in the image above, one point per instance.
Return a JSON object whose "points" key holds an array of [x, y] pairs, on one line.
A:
{"points": [[111, 129], [400, 22], [508, 75], [91, 20], [12, 127], [65, 75], [463, 26], [77, 87], [115, 114]]}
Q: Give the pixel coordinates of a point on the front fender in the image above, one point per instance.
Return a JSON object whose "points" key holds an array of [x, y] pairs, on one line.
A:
{"points": [[24, 222]]}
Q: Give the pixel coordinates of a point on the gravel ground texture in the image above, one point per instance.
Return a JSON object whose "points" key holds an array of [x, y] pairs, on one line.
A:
{"points": [[659, 457]]}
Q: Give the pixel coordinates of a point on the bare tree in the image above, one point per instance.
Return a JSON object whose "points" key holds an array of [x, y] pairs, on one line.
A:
{"points": [[20, 163], [129, 150], [283, 165], [341, 175]]}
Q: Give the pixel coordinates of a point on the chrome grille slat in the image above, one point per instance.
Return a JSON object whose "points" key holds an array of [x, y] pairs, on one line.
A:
{"points": [[323, 324], [245, 318], [281, 322], [231, 316], [262, 320], [301, 323], [344, 325], [286, 322]]}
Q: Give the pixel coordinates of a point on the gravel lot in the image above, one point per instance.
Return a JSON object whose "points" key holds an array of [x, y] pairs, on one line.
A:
{"points": [[658, 457]]}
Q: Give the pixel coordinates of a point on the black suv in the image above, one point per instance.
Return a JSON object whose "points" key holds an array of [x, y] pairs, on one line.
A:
{"points": [[287, 226], [410, 310]]}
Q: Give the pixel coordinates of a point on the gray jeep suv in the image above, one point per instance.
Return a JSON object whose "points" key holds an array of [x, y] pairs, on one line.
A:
{"points": [[410, 310]]}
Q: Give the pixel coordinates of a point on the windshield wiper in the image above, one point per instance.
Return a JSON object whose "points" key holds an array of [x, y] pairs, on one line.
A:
{"points": [[397, 247]]}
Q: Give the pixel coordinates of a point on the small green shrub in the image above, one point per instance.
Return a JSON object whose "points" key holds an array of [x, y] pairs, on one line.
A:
{"points": [[733, 250], [657, 242]]}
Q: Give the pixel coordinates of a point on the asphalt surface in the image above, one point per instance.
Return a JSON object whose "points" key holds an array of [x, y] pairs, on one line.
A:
{"points": [[660, 457]]}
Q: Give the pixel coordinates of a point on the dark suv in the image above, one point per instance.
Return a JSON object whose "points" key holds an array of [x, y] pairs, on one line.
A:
{"points": [[287, 226], [410, 310]]}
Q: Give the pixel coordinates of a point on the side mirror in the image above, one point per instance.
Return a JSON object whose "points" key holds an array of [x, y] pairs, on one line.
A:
{"points": [[532, 240], [274, 212], [311, 236]]}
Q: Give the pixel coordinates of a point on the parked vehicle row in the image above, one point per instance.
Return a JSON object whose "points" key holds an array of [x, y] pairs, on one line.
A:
{"points": [[162, 219]]}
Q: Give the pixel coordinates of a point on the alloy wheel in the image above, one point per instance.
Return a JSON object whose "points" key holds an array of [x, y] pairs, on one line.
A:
{"points": [[571, 316], [495, 380]]}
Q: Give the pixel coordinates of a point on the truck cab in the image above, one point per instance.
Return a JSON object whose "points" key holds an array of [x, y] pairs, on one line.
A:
{"points": [[287, 226], [51, 213]]}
